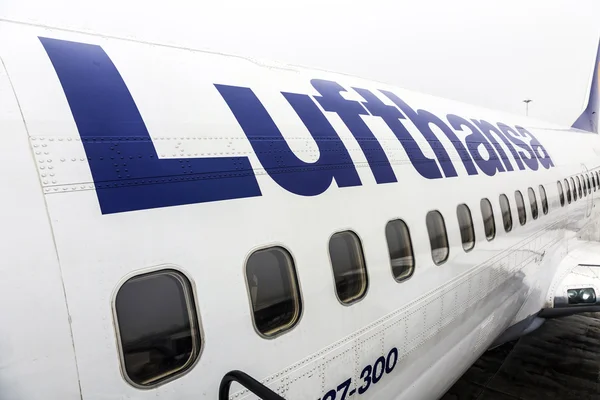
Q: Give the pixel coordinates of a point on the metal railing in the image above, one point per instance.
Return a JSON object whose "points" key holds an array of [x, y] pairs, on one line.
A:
{"points": [[249, 383]]}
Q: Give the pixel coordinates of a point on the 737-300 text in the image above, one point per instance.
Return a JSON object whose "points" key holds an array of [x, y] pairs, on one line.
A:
{"points": [[370, 375]]}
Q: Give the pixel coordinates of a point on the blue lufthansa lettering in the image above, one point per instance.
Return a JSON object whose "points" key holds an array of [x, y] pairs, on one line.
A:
{"points": [[127, 173], [499, 133], [275, 155], [431, 119], [421, 119], [486, 128], [425, 166], [539, 150], [350, 113], [475, 141], [525, 152]]}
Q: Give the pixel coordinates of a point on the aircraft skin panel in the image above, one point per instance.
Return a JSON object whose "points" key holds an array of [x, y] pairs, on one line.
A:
{"points": [[181, 107]]}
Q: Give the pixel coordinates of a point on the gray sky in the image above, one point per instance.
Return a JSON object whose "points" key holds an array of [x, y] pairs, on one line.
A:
{"points": [[493, 53]]}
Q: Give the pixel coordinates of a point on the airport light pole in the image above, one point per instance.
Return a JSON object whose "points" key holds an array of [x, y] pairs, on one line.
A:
{"points": [[527, 101]]}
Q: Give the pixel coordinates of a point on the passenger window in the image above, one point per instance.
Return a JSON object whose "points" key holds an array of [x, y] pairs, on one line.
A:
{"points": [[465, 223], [544, 199], [589, 185], [597, 179], [506, 214], [533, 203], [520, 207], [488, 219], [574, 189], [586, 181], [157, 326], [584, 185], [400, 249], [349, 269], [438, 239], [568, 191], [593, 181], [579, 190], [273, 289], [561, 193]]}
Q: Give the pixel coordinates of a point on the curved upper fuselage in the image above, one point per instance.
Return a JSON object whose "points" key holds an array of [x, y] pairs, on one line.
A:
{"points": [[123, 157]]}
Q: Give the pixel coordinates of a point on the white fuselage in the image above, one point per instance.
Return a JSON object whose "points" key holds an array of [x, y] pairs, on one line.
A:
{"points": [[67, 251]]}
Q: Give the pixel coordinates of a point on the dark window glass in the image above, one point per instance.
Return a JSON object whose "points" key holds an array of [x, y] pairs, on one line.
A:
{"points": [[274, 292], [400, 249], [567, 188], [158, 326], [589, 185], [544, 199], [561, 193], [465, 223], [597, 179], [593, 181], [488, 219], [348, 265], [520, 207], [506, 214], [533, 203], [438, 238], [584, 185], [574, 189], [579, 190]]}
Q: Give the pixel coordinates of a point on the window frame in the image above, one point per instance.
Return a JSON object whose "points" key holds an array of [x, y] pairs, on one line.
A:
{"points": [[532, 202], [574, 189], [489, 203], [296, 280], [520, 196], [502, 195], [445, 235], [412, 251], [568, 191], [579, 189], [472, 227], [544, 199], [184, 370], [587, 178], [561, 193], [365, 290]]}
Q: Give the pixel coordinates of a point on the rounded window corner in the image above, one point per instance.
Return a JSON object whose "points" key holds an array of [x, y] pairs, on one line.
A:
{"points": [[274, 293], [438, 237], [465, 225], [159, 337], [351, 280], [400, 250], [489, 223]]}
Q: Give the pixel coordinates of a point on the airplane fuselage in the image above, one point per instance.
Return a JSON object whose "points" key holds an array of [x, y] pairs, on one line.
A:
{"points": [[125, 159]]}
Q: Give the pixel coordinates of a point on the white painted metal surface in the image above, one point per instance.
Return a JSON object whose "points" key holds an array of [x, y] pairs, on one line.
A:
{"points": [[64, 259]]}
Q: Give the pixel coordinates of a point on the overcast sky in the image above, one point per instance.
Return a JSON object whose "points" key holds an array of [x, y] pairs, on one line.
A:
{"points": [[493, 53]]}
